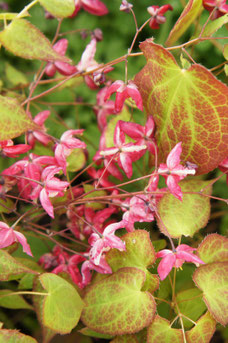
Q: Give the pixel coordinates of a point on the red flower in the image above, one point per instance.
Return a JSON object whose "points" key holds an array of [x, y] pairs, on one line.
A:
{"points": [[219, 6], [7, 148], [95, 7], [171, 259], [157, 15]]}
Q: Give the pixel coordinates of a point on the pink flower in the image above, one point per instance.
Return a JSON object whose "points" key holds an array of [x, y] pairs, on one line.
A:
{"points": [[173, 171], [218, 6], [7, 148], [67, 144], [105, 242], [124, 153], [87, 266], [62, 67], [157, 15], [125, 6], [170, 259], [123, 92], [39, 135], [8, 236], [144, 135], [223, 166], [95, 7], [103, 108]]}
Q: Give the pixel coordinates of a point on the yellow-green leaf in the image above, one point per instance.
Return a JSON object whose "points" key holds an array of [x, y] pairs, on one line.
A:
{"points": [[59, 8]]}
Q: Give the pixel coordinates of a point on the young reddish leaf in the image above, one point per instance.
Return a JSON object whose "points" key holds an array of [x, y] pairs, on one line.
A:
{"points": [[161, 331], [13, 120], [214, 248], [187, 17], [187, 216], [13, 336], [203, 331], [10, 269], [59, 8], [125, 339], [24, 40], [139, 253], [13, 301], [117, 306], [192, 308], [62, 306], [212, 279], [188, 106]]}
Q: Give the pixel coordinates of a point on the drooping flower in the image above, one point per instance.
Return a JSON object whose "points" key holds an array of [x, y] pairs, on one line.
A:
{"points": [[219, 7], [63, 68], [157, 15], [124, 92], [105, 242], [103, 108], [39, 135], [9, 236], [125, 6], [170, 259], [67, 144], [95, 7], [7, 148], [173, 171], [88, 265]]}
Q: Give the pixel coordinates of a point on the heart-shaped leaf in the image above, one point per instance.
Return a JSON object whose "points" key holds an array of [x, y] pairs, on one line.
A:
{"points": [[203, 331], [212, 279], [62, 306], [116, 305], [13, 119], [189, 14], [187, 216], [10, 269], [214, 248], [24, 40], [139, 253], [13, 336], [59, 8], [161, 331], [188, 106]]}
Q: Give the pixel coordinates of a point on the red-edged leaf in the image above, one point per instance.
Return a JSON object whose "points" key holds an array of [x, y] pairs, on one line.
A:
{"points": [[189, 14], [14, 336], [23, 39], [214, 248], [212, 279], [139, 253], [203, 331], [13, 119], [189, 106], [116, 305], [125, 339], [160, 331]]}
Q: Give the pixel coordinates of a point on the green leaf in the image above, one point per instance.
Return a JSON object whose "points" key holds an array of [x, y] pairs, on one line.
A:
{"points": [[6, 205], [76, 160], [13, 120], [214, 25], [225, 51], [26, 282], [125, 339], [188, 106], [212, 279], [95, 205], [14, 76], [191, 11], [139, 253], [91, 333], [10, 269], [59, 8], [10, 16], [116, 305], [62, 307], [24, 40], [192, 308], [13, 336], [214, 248], [161, 331], [13, 301], [188, 216], [203, 331]]}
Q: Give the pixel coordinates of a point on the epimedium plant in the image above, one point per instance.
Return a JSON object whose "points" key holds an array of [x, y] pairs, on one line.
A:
{"points": [[124, 259]]}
